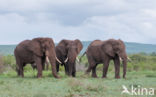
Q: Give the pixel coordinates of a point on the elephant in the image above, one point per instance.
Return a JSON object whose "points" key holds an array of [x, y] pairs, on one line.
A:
{"points": [[101, 52], [34, 66], [35, 51], [67, 52]]}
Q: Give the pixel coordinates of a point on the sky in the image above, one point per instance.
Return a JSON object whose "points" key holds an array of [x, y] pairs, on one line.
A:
{"points": [[87, 20]]}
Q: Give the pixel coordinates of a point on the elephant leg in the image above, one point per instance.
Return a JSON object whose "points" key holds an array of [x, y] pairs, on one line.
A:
{"points": [[94, 71], [21, 71], [39, 67], [70, 70], [105, 67], [74, 71], [89, 69], [57, 66], [18, 72], [18, 67], [43, 64], [91, 65], [66, 69], [117, 67]]}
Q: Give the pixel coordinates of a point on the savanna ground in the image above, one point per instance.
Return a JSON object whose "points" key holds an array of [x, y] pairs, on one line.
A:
{"points": [[141, 71]]}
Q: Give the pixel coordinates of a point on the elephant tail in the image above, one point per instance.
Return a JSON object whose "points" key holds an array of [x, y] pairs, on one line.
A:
{"points": [[17, 63], [82, 55]]}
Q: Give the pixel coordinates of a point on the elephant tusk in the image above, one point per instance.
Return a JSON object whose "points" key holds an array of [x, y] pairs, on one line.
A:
{"points": [[58, 60], [129, 59], [66, 60], [77, 59], [120, 59]]}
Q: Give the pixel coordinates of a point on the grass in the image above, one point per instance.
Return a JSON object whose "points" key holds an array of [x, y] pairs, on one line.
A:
{"points": [[141, 71], [81, 86]]}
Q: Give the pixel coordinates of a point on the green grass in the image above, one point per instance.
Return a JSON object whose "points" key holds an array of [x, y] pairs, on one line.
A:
{"points": [[81, 86], [141, 71]]}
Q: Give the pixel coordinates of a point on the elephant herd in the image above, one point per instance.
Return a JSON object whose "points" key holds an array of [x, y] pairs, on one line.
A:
{"points": [[41, 51]]}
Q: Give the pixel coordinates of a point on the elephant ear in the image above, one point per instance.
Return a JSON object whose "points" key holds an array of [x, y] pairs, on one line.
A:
{"points": [[35, 47], [64, 42], [78, 45], [108, 49]]}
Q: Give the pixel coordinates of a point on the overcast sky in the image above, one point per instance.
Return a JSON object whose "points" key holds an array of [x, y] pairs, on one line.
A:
{"points": [[129, 20]]}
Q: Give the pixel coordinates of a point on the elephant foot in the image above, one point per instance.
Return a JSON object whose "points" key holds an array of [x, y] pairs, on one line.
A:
{"points": [[39, 76], [94, 76], [104, 76], [73, 76], [124, 76], [57, 77], [117, 77]]}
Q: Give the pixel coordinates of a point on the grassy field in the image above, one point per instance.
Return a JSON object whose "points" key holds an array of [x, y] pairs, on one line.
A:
{"points": [[141, 72], [81, 86]]}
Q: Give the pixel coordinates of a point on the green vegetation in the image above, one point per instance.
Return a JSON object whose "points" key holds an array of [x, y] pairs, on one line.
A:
{"points": [[139, 62], [141, 71], [81, 86]]}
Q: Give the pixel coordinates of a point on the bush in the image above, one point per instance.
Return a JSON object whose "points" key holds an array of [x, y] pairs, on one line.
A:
{"points": [[141, 61], [1, 64], [9, 60], [7, 63]]}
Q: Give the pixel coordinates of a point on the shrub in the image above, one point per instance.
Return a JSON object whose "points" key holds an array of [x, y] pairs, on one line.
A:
{"points": [[140, 61], [9, 60], [1, 64], [7, 63]]}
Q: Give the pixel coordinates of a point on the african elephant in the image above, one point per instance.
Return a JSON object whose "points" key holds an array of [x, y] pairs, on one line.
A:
{"points": [[46, 64], [104, 51], [67, 52], [35, 51]]}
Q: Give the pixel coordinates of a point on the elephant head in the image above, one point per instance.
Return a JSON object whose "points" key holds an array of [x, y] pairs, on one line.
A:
{"points": [[116, 47], [45, 48], [73, 48]]}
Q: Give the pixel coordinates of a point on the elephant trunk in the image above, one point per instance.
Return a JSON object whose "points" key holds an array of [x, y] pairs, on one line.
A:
{"points": [[124, 62], [123, 57], [124, 67], [53, 65], [71, 64]]}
